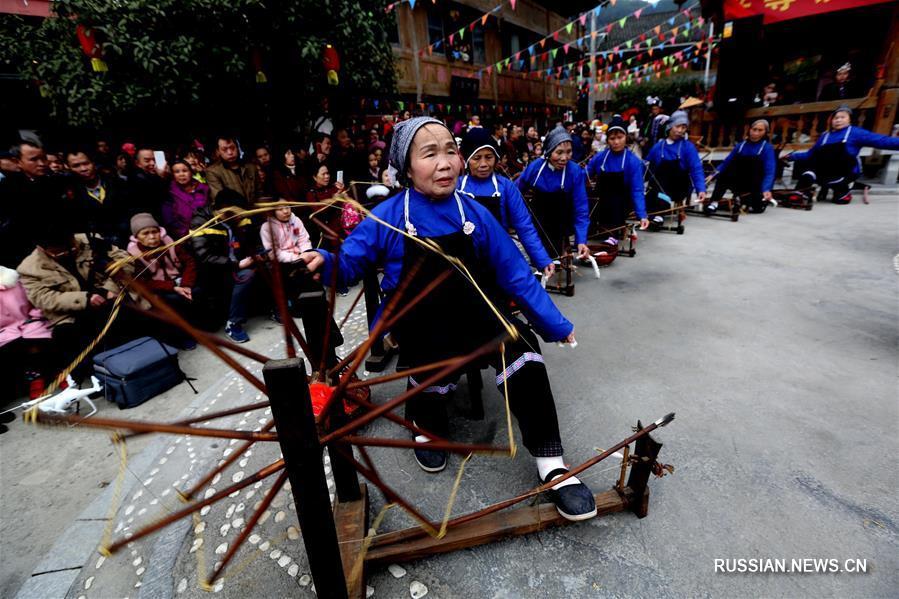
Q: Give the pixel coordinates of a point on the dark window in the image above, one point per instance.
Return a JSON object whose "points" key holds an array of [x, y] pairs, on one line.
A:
{"points": [[446, 20], [393, 30]]}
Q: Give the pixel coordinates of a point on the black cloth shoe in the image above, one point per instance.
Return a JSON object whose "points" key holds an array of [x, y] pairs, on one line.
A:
{"points": [[430, 460], [574, 502]]}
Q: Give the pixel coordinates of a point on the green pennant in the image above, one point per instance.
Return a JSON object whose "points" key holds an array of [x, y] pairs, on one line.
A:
{"points": [[553, 53], [462, 33], [622, 21], [629, 43], [568, 28]]}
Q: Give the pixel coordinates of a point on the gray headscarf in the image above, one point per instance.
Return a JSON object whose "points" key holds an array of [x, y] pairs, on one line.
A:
{"points": [[402, 142], [762, 121], [678, 117], [554, 138]]}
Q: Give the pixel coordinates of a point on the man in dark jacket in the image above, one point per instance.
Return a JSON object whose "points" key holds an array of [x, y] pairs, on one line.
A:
{"points": [[231, 172], [227, 253], [101, 203], [147, 189]]}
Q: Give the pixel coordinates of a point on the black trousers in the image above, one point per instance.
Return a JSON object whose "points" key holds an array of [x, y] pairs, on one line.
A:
{"points": [[530, 397], [752, 199], [840, 188]]}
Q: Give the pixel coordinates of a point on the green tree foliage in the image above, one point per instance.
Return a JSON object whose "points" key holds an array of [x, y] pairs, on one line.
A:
{"points": [[196, 56], [669, 89]]}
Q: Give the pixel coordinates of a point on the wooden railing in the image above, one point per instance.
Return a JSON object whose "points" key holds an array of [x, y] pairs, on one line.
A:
{"points": [[796, 125]]}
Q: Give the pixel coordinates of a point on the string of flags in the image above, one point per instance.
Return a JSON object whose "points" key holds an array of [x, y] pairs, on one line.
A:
{"points": [[638, 45]]}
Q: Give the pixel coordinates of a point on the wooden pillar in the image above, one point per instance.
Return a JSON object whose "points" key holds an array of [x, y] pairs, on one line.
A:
{"points": [[288, 393], [888, 90]]}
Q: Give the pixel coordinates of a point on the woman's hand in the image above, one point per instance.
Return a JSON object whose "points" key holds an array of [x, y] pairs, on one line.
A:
{"points": [[570, 338], [245, 263], [583, 252], [111, 295], [767, 195], [549, 270], [96, 300], [185, 292], [644, 224], [340, 186], [314, 261]]}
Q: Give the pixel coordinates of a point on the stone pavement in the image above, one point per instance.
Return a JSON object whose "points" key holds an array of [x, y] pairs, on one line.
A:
{"points": [[774, 339]]}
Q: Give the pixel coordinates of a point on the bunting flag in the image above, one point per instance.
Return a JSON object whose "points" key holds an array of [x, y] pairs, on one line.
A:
{"points": [[412, 4], [638, 13], [584, 20], [512, 2], [622, 21], [484, 19], [569, 27]]}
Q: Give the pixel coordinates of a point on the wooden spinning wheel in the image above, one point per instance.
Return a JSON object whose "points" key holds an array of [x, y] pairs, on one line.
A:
{"points": [[336, 540]]}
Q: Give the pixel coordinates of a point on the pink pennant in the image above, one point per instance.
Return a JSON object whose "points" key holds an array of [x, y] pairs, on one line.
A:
{"points": [[512, 2], [638, 13], [584, 20]]}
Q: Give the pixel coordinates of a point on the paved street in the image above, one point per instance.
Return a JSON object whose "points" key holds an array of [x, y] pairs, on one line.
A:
{"points": [[773, 339]]}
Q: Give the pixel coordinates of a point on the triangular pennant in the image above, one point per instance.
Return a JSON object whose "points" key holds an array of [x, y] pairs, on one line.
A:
{"points": [[629, 43], [565, 48], [553, 53], [556, 36], [674, 32], [412, 4], [584, 20], [657, 29], [451, 36], [638, 12], [609, 28], [489, 69], [642, 37], [569, 27], [471, 26], [517, 55], [437, 44], [613, 2], [542, 42], [594, 33], [484, 19], [622, 21], [499, 67], [513, 2], [462, 33], [650, 51], [671, 21]]}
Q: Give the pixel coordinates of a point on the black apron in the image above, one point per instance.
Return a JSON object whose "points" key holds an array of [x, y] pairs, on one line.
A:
{"points": [[673, 181], [553, 213], [832, 162], [453, 319], [614, 203], [493, 203], [747, 172]]}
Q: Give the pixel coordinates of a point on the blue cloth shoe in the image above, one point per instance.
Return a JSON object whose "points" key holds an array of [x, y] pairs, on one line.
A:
{"points": [[574, 502]]}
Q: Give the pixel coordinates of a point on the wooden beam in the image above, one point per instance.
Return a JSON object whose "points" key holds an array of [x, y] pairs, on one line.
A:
{"points": [[497, 526], [351, 520]]}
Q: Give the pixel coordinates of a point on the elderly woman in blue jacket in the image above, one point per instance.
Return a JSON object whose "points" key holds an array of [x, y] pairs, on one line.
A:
{"points": [[453, 319], [675, 167], [499, 195], [833, 161], [748, 171]]}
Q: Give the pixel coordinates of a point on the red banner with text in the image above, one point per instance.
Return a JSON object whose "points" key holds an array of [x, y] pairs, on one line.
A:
{"points": [[783, 10]]}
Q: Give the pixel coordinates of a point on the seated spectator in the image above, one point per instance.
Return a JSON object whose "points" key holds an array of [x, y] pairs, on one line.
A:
{"points": [[373, 167], [101, 203], [171, 274], [289, 182], [65, 279], [226, 258], [24, 339], [264, 169], [321, 192], [231, 172], [148, 189], [186, 196], [285, 238]]}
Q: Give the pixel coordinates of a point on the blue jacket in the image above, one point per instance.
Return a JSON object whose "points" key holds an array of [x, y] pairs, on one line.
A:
{"points": [[372, 244], [855, 139], [572, 180], [513, 211], [761, 148], [689, 159], [627, 162]]}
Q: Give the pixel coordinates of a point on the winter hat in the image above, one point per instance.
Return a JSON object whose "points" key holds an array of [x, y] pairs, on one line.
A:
{"points": [[678, 117], [141, 221], [616, 124], [554, 138], [478, 139], [843, 108], [403, 134]]}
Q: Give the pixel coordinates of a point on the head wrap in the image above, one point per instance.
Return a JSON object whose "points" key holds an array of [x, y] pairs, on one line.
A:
{"points": [[403, 134], [843, 108], [762, 121], [141, 221], [478, 139], [845, 68], [616, 124], [653, 101], [554, 138], [678, 117]]}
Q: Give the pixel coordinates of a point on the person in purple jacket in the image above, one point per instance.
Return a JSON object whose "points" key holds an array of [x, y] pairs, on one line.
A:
{"points": [[453, 319], [832, 162], [186, 195]]}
